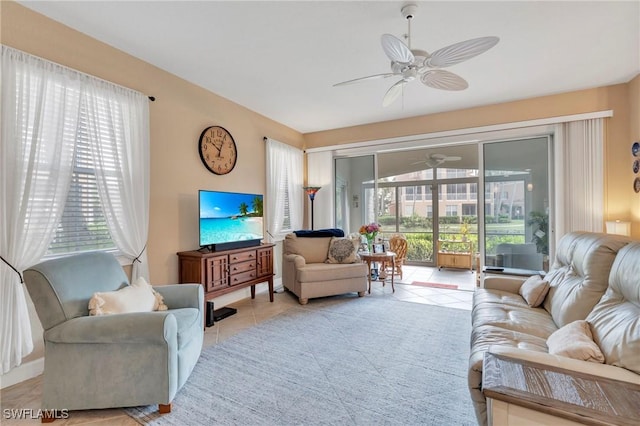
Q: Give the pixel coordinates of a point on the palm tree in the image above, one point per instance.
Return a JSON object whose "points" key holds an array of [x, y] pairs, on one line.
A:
{"points": [[244, 208], [257, 205]]}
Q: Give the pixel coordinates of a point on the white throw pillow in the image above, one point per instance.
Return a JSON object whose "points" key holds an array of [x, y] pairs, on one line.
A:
{"points": [[575, 340], [534, 290], [137, 297]]}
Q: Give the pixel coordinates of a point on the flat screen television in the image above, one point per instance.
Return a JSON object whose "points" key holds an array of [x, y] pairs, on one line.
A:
{"points": [[229, 220]]}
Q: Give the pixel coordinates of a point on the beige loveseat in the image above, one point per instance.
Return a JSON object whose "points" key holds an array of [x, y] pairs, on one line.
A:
{"points": [[307, 275], [595, 277]]}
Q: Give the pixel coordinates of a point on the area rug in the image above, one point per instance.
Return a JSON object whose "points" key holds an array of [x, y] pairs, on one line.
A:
{"points": [[434, 285], [342, 361]]}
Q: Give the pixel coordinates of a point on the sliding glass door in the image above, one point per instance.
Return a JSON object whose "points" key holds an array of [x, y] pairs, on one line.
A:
{"points": [[429, 194], [517, 203], [408, 211]]}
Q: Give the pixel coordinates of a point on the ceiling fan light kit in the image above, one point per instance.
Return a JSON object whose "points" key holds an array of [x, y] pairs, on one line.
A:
{"points": [[411, 64]]}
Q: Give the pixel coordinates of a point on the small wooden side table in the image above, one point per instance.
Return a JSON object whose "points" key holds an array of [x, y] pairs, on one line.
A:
{"points": [[383, 258], [518, 389]]}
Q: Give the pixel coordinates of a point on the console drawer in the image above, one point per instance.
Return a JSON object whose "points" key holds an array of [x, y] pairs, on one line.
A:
{"points": [[242, 277], [236, 268], [242, 256]]}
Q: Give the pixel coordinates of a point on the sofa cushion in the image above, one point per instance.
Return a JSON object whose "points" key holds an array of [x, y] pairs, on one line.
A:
{"points": [[314, 250], [343, 250], [535, 322], [575, 340], [137, 297], [615, 320], [580, 274], [313, 272], [483, 337], [534, 290], [492, 297]]}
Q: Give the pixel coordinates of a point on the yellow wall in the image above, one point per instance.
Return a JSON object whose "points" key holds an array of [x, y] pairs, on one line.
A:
{"points": [[622, 98], [178, 116]]}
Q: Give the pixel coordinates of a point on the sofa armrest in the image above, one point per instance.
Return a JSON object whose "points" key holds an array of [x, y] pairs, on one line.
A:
{"points": [[137, 327], [182, 295], [595, 369], [295, 259], [510, 284]]}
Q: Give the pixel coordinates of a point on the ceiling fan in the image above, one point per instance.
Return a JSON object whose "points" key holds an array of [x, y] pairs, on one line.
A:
{"points": [[410, 64], [433, 160]]}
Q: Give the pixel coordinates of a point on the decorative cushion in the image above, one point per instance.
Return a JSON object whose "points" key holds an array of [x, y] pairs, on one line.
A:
{"points": [[575, 340], [534, 290], [343, 250], [137, 297]]}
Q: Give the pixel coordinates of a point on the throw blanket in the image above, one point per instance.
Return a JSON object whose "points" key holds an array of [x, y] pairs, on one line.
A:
{"points": [[329, 232]]}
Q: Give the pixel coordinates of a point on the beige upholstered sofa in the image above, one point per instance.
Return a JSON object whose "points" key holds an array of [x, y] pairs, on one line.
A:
{"points": [[307, 275], [595, 277]]}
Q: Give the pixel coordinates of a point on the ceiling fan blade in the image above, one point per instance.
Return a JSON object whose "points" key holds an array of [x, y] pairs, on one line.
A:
{"points": [[370, 77], [395, 49], [452, 158], [444, 80], [461, 51], [393, 93]]}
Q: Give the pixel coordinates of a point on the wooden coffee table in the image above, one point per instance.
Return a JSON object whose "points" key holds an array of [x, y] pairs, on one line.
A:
{"points": [[383, 258]]}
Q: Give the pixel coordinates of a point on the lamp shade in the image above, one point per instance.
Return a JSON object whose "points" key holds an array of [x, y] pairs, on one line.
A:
{"points": [[618, 227]]}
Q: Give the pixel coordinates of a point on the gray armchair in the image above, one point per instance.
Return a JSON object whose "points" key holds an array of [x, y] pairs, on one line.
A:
{"points": [[119, 360]]}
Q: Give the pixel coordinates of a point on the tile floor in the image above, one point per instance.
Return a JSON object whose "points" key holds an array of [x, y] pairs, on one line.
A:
{"points": [[24, 398]]}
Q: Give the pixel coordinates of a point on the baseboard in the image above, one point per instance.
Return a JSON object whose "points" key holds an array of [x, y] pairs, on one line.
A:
{"points": [[25, 371]]}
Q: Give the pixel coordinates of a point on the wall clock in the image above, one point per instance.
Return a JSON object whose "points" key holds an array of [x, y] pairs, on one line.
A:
{"points": [[217, 150]]}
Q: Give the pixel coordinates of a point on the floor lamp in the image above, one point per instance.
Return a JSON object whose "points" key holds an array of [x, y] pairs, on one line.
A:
{"points": [[311, 192]]}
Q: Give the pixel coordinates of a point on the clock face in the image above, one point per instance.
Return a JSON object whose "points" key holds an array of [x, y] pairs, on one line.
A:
{"points": [[217, 150]]}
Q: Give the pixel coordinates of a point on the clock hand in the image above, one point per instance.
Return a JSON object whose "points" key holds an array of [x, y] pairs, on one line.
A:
{"points": [[219, 148]]}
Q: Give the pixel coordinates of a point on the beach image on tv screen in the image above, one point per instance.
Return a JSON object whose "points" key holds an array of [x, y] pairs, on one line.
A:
{"points": [[227, 217]]}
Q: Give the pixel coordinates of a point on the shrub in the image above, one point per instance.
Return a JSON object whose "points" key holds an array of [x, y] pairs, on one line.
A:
{"points": [[419, 247]]}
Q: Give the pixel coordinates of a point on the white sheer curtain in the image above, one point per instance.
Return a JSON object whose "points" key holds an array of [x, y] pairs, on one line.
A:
{"points": [[118, 132], [40, 102], [579, 176], [285, 196]]}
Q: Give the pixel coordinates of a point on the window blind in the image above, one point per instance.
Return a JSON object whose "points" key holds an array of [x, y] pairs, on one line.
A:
{"points": [[83, 226]]}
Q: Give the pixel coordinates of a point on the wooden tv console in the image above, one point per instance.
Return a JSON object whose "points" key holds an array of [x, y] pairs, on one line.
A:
{"points": [[222, 272]]}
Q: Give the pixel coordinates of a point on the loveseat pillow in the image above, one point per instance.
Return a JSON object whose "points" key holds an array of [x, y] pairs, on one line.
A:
{"points": [[343, 250], [137, 297], [575, 340], [534, 290]]}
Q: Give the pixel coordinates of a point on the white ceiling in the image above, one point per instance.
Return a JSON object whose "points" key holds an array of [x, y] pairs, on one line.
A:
{"points": [[281, 59]]}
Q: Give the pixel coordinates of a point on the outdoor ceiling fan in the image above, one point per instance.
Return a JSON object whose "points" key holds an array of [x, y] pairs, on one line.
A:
{"points": [[433, 160], [411, 64]]}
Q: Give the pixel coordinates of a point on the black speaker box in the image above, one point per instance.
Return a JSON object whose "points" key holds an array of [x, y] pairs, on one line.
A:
{"points": [[210, 316], [222, 313]]}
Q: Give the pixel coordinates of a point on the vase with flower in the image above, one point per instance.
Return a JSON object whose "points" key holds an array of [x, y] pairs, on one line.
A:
{"points": [[370, 232]]}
